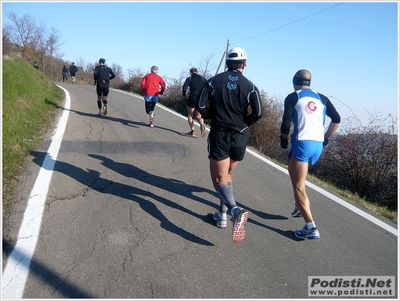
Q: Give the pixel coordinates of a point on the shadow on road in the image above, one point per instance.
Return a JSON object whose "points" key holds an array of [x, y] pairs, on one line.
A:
{"points": [[92, 179], [63, 286], [128, 122]]}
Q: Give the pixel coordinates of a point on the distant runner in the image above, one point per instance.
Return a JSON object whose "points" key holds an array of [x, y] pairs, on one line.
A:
{"points": [[65, 73], [190, 91], [102, 76], [73, 69]]}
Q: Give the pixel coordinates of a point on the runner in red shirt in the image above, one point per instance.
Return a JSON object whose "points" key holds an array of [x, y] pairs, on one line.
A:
{"points": [[153, 86]]}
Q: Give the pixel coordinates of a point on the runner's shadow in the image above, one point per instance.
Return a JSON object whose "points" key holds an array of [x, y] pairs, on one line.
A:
{"points": [[262, 214], [183, 189], [168, 184], [126, 122], [287, 233], [165, 129], [92, 179]]}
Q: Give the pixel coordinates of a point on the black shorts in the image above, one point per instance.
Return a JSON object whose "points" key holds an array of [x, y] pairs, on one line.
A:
{"points": [[223, 144], [102, 91], [191, 102]]}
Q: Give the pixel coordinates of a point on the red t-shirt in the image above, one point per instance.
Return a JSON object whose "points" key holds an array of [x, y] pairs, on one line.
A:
{"points": [[152, 83]]}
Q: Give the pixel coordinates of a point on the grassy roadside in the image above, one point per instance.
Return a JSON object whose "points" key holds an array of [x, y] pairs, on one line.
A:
{"points": [[30, 102]]}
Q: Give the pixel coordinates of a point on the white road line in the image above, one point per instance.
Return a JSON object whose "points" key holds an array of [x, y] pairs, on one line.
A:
{"points": [[17, 269]]}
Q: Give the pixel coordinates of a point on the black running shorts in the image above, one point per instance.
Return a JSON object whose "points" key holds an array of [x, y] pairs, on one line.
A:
{"points": [[223, 144], [191, 102], [102, 91]]}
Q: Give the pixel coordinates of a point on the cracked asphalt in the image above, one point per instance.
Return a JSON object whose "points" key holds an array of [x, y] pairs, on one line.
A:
{"points": [[129, 215]]}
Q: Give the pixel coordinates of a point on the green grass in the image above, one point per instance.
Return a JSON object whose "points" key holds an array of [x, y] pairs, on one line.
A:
{"points": [[30, 102]]}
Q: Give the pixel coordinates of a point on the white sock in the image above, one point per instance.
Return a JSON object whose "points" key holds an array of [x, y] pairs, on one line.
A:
{"points": [[310, 225]]}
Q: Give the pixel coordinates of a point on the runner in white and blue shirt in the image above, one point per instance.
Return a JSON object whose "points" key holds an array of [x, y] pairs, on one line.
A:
{"points": [[307, 109]]}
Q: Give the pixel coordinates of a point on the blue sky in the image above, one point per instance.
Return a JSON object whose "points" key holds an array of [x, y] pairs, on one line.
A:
{"points": [[351, 49]]}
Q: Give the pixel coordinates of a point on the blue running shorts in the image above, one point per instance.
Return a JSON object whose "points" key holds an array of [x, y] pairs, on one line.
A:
{"points": [[151, 98], [306, 151]]}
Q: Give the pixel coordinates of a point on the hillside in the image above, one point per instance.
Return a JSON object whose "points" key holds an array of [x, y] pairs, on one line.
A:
{"points": [[30, 102]]}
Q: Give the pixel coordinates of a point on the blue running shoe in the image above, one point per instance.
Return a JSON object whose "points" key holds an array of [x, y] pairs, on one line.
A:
{"points": [[305, 233], [239, 218], [296, 212], [221, 219]]}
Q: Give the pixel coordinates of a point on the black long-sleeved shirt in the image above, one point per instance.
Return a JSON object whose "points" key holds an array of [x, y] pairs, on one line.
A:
{"points": [[229, 95], [73, 69], [194, 83], [102, 75]]}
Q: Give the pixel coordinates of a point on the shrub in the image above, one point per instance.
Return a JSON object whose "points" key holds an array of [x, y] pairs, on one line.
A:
{"points": [[363, 159]]}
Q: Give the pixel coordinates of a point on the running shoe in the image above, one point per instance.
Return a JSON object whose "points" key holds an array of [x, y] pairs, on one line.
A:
{"points": [[305, 233], [151, 119], [221, 219], [203, 130], [296, 212], [192, 133], [100, 112], [239, 218], [104, 110]]}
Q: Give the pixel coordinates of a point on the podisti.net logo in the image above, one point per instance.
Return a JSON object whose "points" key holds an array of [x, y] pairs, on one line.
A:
{"points": [[352, 286]]}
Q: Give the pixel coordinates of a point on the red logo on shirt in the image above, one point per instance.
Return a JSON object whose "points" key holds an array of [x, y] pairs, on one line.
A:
{"points": [[311, 107]]}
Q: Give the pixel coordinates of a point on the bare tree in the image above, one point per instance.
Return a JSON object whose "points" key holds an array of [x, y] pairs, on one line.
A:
{"points": [[23, 32], [38, 45], [53, 45], [117, 70], [206, 65], [119, 76], [6, 41], [134, 82], [89, 68], [80, 63]]}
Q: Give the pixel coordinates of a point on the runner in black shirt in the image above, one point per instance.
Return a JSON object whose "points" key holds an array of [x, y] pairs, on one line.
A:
{"points": [[193, 84], [73, 69], [65, 73], [102, 76], [225, 100]]}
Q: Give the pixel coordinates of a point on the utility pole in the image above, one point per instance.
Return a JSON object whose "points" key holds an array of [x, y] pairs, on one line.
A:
{"points": [[223, 56]]}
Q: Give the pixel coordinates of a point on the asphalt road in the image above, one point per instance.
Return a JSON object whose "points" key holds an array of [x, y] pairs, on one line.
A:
{"points": [[128, 214]]}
